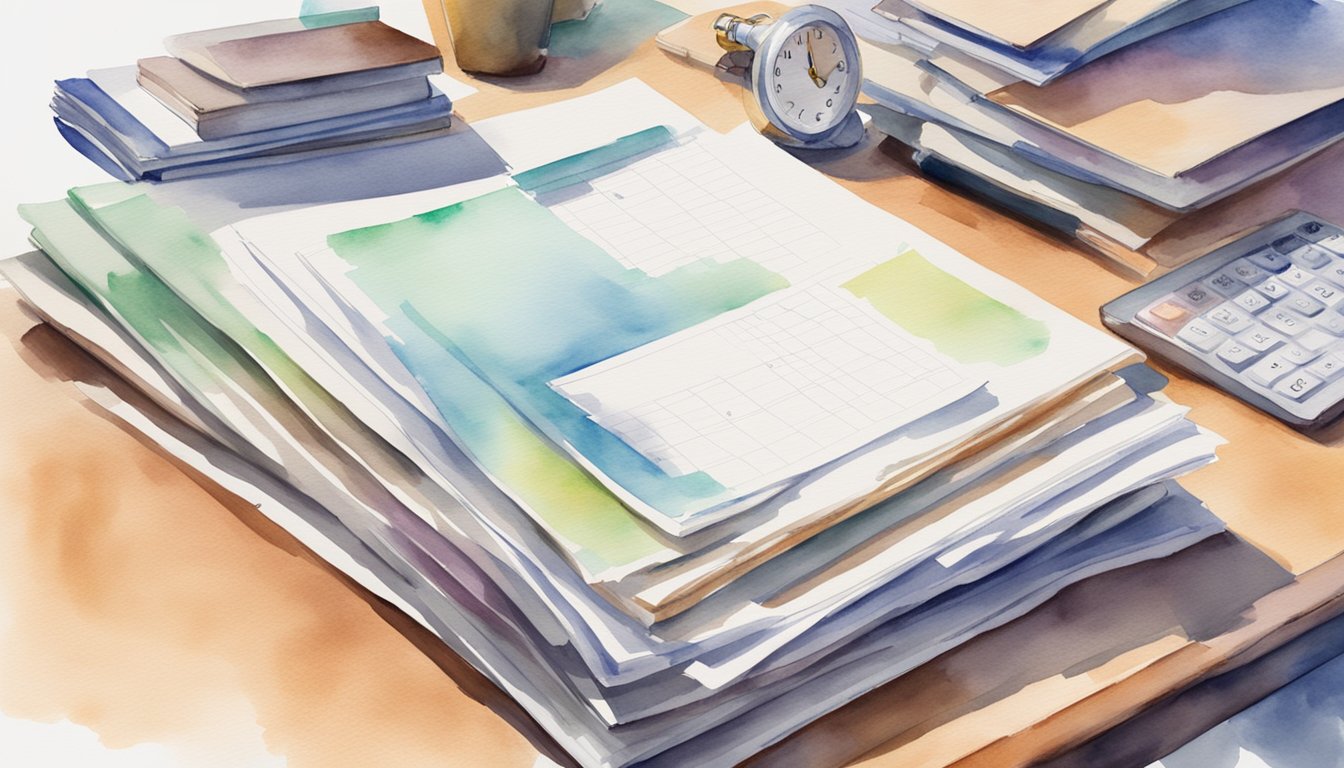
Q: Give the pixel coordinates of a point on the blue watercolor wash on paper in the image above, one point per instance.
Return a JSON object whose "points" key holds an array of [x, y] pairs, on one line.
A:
{"points": [[519, 299], [614, 27], [338, 11]]}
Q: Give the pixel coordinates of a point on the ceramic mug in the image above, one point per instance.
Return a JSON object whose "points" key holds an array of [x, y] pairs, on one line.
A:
{"points": [[499, 37]]}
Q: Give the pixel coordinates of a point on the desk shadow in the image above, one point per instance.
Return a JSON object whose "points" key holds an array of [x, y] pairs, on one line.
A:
{"points": [[1198, 593], [872, 159], [291, 674], [1171, 723], [216, 200], [1331, 434]]}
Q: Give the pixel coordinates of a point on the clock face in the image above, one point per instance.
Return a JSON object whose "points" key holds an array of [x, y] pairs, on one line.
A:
{"points": [[811, 83]]}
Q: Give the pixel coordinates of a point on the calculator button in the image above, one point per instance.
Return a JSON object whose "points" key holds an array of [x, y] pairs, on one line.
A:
{"points": [[1199, 296], [1288, 243], [1285, 322], [1274, 289], [1334, 244], [1251, 301], [1325, 293], [1310, 257], [1327, 367], [1236, 354], [1201, 335], [1269, 370], [1334, 273], [1259, 338], [1303, 304], [1297, 277], [1270, 260], [1332, 323], [1297, 386], [1229, 318], [1167, 315], [1297, 354], [1225, 283], [1245, 271], [1315, 340]]}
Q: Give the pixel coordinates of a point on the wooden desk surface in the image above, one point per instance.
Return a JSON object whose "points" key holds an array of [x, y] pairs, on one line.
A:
{"points": [[150, 606]]}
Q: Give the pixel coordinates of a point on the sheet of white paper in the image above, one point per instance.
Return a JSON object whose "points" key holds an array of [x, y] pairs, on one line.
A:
{"points": [[530, 138], [683, 204], [769, 391]]}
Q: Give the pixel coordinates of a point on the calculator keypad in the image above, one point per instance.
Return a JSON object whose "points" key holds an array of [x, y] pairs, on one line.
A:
{"points": [[1274, 318]]}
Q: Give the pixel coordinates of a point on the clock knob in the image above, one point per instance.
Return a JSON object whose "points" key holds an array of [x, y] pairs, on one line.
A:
{"points": [[736, 33]]}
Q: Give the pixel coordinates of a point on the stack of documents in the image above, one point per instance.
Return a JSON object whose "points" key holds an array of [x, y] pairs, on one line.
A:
{"points": [[1038, 41], [678, 442], [1124, 146], [256, 94]]}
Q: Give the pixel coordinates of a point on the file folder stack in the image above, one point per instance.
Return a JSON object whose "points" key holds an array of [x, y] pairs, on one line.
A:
{"points": [[256, 94], [1110, 121], [677, 495]]}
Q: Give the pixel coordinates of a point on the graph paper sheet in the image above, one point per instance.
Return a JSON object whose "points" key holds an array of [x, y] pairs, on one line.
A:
{"points": [[683, 204], [770, 391]]}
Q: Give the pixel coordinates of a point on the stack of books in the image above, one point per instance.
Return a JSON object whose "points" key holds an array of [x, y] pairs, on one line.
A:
{"points": [[256, 94], [1110, 121], [678, 494]]}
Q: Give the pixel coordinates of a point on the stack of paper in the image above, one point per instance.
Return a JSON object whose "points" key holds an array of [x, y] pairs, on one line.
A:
{"points": [[1039, 41], [675, 440], [1120, 149], [257, 94]]}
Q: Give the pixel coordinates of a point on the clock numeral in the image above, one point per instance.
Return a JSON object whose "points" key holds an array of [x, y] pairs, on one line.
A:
{"points": [[820, 34], [835, 47], [818, 117], [777, 72], [779, 88], [798, 39], [828, 102], [837, 89], [840, 67], [788, 54], [790, 105], [800, 113]]}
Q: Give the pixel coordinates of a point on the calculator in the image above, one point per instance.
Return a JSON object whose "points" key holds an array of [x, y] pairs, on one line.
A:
{"points": [[1261, 318]]}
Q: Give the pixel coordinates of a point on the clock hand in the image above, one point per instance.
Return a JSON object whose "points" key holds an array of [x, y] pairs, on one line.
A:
{"points": [[834, 66], [817, 80]]}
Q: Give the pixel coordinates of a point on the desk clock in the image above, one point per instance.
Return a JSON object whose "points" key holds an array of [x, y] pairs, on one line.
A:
{"points": [[805, 74]]}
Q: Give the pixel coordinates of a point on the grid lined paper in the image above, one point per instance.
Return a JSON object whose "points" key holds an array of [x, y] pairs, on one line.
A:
{"points": [[680, 205], [765, 393]]}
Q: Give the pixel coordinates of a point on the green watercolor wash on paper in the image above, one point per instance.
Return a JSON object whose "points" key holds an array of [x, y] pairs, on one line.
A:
{"points": [[165, 243], [962, 322], [314, 14], [195, 353], [191, 350], [586, 166], [195, 271], [598, 531], [614, 27], [189, 262], [499, 291]]}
